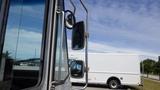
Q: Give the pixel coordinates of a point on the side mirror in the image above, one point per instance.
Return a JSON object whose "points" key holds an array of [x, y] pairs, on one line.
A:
{"points": [[77, 69], [78, 36]]}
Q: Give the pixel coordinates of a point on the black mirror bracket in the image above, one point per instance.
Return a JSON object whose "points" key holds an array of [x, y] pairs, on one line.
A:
{"points": [[86, 34], [74, 7], [86, 48], [86, 39]]}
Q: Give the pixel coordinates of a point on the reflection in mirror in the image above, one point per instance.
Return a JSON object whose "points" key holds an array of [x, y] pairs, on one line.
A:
{"points": [[77, 69], [78, 36]]}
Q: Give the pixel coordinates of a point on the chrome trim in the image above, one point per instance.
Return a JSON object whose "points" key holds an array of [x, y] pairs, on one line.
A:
{"points": [[50, 67]]}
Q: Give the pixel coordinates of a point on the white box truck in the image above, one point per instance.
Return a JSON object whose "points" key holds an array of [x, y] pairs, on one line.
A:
{"points": [[111, 68]]}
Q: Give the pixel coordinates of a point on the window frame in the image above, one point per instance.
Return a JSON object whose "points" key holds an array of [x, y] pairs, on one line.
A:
{"points": [[60, 82], [3, 20]]}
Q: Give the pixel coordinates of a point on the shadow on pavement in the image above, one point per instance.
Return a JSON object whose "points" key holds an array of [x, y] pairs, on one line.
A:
{"points": [[90, 85], [105, 86]]}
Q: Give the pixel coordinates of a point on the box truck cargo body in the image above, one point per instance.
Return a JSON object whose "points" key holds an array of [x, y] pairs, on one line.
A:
{"points": [[111, 69]]}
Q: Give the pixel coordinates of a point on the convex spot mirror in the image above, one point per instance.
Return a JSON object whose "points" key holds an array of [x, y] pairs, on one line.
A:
{"points": [[78, 36], [77, 69], [70, 19]]}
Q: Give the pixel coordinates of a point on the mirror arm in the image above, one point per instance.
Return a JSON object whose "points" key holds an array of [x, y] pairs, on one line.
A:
{"points": [[86, 49], [86, 15], [86, 40], [74, 7]]}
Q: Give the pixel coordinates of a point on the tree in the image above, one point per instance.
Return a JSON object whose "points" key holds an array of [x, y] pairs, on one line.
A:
{"points": [[157, 68], [147, 66]]}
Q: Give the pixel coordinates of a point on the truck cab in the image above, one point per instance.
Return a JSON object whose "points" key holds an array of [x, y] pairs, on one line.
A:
{"points": [[33, 45]]}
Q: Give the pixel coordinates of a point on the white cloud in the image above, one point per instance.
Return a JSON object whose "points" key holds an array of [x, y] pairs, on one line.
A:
{"points": [[29, 43], [102, 48]]}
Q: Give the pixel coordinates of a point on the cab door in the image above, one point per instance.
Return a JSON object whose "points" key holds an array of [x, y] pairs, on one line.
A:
{"points": [[26, 62]]}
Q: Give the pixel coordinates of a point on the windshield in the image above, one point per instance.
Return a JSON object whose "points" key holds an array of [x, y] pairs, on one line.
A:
{"points": [[22, 45]]}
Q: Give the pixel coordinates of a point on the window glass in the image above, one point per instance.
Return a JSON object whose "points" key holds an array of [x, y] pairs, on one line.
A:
{"points": [[22, 45], [61, 63]]}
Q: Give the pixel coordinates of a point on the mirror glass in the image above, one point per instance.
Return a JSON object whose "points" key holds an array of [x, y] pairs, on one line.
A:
{"points": [[77, 69], [78, 36]]}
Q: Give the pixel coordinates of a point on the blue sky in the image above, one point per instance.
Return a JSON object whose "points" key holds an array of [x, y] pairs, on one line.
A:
{"points": [[123, 26], [32, 15]]}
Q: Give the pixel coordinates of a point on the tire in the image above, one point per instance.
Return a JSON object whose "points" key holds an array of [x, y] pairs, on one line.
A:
{"points": [[113, 84]]}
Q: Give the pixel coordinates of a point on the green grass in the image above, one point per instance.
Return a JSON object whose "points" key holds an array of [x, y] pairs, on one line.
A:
{"points": [[150, 84]]}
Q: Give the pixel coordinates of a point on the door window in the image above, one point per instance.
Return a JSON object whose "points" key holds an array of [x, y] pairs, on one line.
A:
{"points": [[20, 61], [61, 61]]}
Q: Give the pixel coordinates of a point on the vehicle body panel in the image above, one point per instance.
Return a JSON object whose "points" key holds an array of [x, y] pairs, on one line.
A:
{"points": [[102, 66]]}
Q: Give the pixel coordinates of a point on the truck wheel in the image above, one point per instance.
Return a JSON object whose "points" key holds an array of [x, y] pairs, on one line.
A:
{"points": [[114, 84]]}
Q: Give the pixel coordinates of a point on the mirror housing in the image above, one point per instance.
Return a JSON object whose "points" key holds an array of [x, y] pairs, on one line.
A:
{"points": [[77, 69], [78, 37]]}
